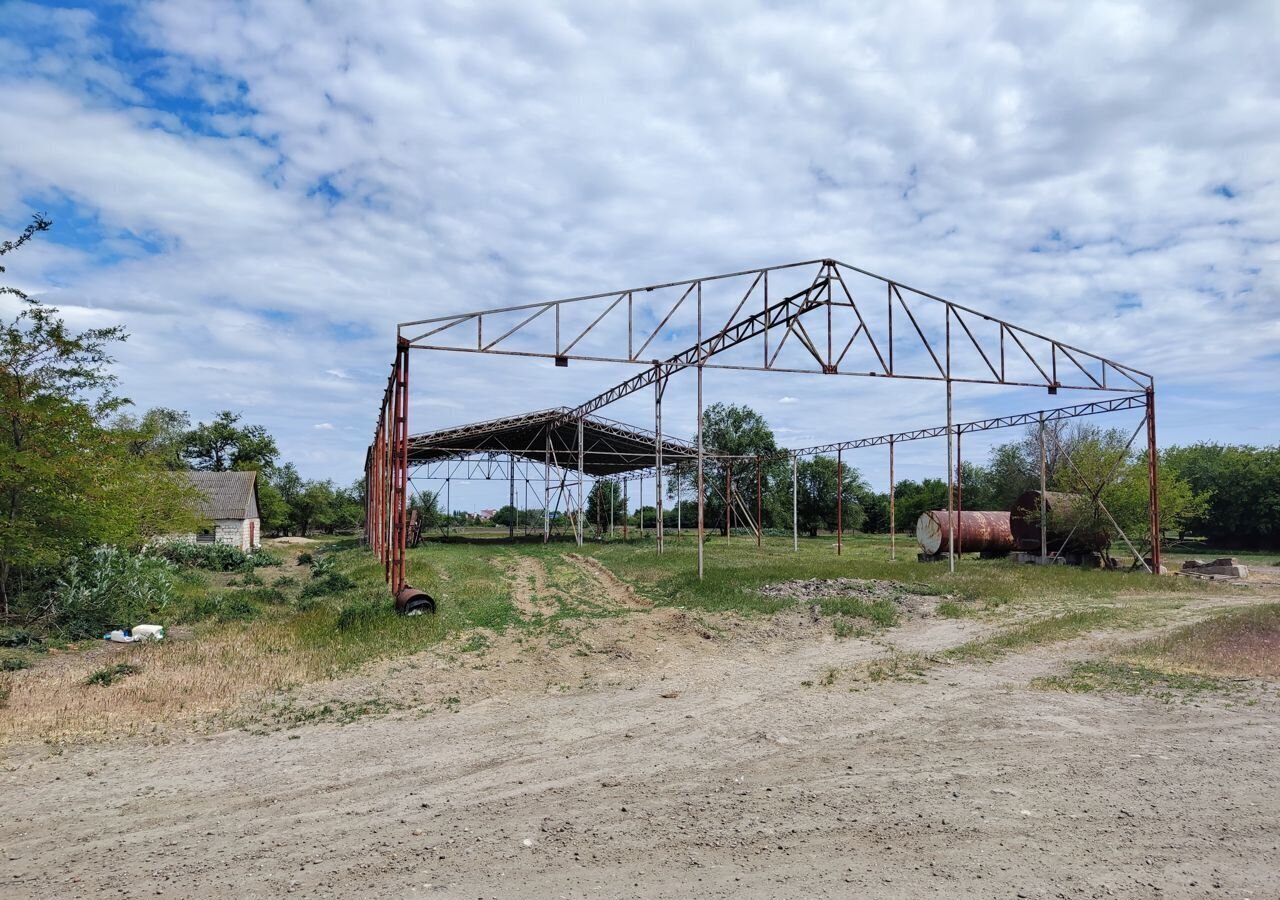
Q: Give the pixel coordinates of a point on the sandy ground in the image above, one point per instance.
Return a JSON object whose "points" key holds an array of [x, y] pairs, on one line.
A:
{"points": [[674, 757]]}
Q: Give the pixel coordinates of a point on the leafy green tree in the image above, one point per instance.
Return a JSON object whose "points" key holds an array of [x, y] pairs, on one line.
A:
{"points": [[733, 430], [1240, 487], [68, 481], [272, 510], [605, 502], [159, 435], [224, 444], [817, 496], [913, 498], [313, 507]]}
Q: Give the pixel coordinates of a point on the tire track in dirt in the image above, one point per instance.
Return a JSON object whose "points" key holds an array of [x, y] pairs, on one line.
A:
{"points": [[529, 589], [612, 588]]}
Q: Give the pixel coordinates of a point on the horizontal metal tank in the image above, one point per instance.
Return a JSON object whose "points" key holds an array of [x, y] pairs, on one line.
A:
{"points": [[1024, 522], [979, 532]]}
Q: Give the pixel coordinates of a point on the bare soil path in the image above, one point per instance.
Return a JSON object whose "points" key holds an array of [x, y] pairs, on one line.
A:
{"points": [[692, 761]]}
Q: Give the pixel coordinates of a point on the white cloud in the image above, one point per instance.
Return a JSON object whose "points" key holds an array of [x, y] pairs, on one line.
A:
{"points": [[494, 154], [787, 400], [323, 426]]}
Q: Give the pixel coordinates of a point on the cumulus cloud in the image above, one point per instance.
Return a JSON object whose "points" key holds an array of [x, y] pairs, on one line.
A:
{"points": [[261, 191]]}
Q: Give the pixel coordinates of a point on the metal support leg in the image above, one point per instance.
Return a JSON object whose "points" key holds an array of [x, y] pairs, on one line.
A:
{"points": [[1153, 480], [657, 455], [893, 525], [959, 497], [1044, 502], [759, 515], [581, 477], [839, 502], [795, 506], [701, 505], [546, 491], [951, 498]]}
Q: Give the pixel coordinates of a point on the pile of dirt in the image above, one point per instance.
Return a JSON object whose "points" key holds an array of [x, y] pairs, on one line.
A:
{"points": [[866, 589]]}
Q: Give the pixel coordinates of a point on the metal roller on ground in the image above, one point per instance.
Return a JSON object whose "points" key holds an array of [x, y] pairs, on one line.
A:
{"points": [[979, 531], [412, 602]]}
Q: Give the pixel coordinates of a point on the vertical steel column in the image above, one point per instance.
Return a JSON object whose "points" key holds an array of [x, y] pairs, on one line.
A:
{"points": [[1044, 503], [701, 509], [641, 508], [448, 502], [839, 502], [679, 503], [701, 360], [658, 387], [1153, 480], [626, 510], [613, 490], [578, 529], [795, 506], [728, 502], [959, 497], [893, 525], [511, 528], [759, 515], [546, 489], [951, 486]]}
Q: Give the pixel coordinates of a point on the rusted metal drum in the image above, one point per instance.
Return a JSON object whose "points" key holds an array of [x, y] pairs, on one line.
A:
{"points": [[412, 602], [980, 531], [1024, 522]]}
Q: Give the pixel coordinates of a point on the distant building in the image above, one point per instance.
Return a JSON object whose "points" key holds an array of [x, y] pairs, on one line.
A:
{"points": [[486, 514], [229, 501]]}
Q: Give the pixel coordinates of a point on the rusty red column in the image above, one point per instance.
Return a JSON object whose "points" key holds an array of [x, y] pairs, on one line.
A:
{"points": [[1153, 479]]}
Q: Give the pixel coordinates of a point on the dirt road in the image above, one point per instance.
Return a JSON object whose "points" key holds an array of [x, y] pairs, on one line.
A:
{"points": [[698, 768]]}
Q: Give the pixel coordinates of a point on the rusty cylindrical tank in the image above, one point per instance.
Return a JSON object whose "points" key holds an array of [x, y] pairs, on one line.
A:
{"points": [[1024, 522], [979, 532]]}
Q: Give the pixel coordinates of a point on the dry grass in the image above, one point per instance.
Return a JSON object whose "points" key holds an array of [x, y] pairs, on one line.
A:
{"points": [[180, 682], [1243, 643]]}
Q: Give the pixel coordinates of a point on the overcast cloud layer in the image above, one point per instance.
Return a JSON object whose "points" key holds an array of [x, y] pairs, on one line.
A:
{"points": [[260, 191]]}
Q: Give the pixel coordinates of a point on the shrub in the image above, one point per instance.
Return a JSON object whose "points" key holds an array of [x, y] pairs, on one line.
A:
{"points": [[285, 581], [111, 674], [17, 637], [327, 584], [251, 580], [305, 558], [214, 557], [109, 588], [14, 663], [271, 595]]}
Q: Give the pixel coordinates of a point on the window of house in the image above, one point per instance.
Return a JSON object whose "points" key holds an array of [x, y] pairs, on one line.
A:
{"points": [[204, 537]]}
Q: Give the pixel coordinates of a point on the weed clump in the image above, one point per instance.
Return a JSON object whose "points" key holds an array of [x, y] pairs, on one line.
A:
{"points": [[109, 587], [14, 663], [232, 606], [109, 675]]}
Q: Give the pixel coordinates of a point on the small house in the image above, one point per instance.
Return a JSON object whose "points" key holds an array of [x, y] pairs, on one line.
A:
{"points": [[229, 503]]}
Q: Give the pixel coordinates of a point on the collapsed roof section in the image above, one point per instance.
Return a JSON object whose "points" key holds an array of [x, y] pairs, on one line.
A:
{"points": [[609, 447]]}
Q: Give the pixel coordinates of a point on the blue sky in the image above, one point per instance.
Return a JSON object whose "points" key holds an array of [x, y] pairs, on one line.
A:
{"points": [[259, 191]]}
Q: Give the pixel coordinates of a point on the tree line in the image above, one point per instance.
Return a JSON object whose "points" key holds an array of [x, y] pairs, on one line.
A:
{"points": [[1228, 496]]}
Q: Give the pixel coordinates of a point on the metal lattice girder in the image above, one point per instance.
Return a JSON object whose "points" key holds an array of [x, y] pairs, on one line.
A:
{"points": [[1117, 404], [610, 447], [1006, 351]]}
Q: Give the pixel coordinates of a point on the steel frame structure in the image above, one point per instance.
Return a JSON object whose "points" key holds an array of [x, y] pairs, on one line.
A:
{"points": [[823, 323]]}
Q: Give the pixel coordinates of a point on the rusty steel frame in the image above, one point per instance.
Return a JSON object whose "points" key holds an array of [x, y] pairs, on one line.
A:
{"points": [[1060, 366]]}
